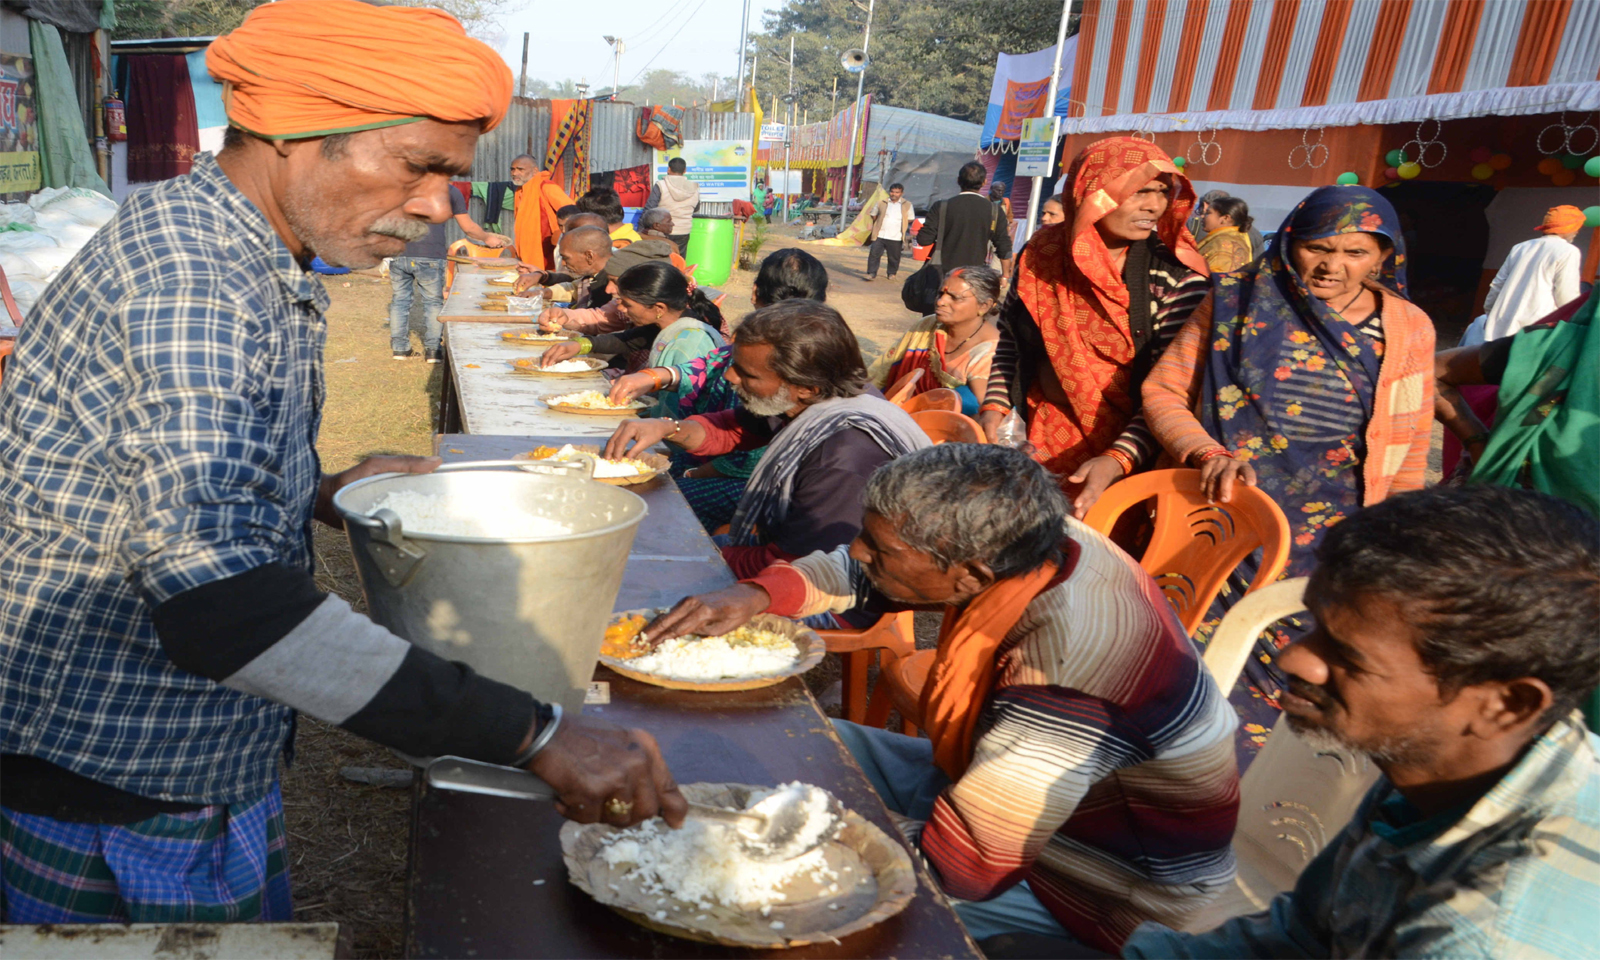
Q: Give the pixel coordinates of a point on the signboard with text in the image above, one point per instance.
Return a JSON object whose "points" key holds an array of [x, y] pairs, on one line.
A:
{"points": [[720, 167], [1036, 148], [19, 127], [773, 133]]}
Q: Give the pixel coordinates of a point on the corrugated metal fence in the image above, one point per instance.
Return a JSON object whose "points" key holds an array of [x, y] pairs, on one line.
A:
{"points": [[613, 143]]}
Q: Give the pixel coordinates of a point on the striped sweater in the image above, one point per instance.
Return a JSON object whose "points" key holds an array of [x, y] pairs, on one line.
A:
{"points": [[1103, 770], [1175, 291], [1398, 436]]}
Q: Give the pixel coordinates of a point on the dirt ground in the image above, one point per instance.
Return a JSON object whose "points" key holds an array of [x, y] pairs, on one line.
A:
{"points": [[347, 840]]}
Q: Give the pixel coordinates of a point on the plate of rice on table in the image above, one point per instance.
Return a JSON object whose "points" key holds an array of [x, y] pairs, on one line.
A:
{"points": [[763, 652], [508, 279], [623, 472], [699, 884], [533, 338], [576, 367], [591, 403]]}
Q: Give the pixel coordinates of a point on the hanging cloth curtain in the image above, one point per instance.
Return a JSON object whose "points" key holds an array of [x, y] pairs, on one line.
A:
{"points": [[567, 158], [65, 159], [163, 132]]}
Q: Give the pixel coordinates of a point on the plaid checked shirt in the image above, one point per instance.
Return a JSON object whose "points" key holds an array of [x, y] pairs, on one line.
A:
{"points": [[157, 432], [1515, 875]]}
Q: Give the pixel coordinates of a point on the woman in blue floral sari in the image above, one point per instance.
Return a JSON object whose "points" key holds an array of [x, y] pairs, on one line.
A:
{"points": [[713, 486], [1312, 377]]}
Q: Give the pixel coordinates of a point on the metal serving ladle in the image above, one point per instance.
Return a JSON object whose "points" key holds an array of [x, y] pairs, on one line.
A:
{"points": [[769, 831]]}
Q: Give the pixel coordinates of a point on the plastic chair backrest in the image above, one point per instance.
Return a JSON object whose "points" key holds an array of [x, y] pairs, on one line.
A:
{"points": [[942, 426], [1295, 798], [1196, 544], [902, 389], [466, 248], [939, 398]]}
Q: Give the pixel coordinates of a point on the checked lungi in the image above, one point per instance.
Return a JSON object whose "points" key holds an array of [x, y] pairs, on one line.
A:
{"points": [[219, 864]]}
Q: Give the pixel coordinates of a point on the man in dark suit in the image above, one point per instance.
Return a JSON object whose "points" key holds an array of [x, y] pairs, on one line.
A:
{"points": [[973, 225]]}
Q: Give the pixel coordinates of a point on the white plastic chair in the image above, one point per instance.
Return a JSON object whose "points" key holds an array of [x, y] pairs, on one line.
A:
{"points": [[1295, 798]]}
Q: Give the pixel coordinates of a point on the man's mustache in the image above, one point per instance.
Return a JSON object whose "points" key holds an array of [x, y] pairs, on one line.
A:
{"points": [[1311, 692], [401, 228]]}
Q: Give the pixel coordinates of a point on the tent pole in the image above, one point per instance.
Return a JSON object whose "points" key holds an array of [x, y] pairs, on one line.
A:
{"points": [[855, 122], [1034, 200]]}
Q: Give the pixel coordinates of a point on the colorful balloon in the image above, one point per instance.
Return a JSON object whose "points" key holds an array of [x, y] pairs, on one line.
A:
{"points": [[1481, 155], [1591, 215], [1572, 161], [1482, 171], [1392, 173], [1592, 167], [1179, 162], [1564, 178], [1549, 165], [1410, 170], [1395, 157], [1348, 178], [1500, 161]]}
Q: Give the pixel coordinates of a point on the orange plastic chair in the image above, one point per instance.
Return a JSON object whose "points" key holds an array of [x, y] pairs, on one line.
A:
{"points": [[891, 640], [939, 398], [1196, 544], [942, 426], [903, 388]]}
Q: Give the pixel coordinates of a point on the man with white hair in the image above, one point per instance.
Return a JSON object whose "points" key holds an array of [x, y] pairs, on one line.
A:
{"points": [[159, 478]]}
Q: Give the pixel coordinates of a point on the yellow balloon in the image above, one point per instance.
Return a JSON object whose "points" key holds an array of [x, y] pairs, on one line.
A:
{"points": [[1482, 171], [1410, 171]]}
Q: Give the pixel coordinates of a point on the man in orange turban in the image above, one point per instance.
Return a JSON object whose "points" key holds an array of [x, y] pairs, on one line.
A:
{"points": [[158, 455], [1538, 276]]}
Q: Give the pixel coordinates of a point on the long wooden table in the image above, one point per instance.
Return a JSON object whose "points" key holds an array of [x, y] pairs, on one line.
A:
{"points": [[483, 395], [486, 878]]}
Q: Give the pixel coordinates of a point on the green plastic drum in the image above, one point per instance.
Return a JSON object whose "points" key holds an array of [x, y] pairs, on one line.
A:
{"points": [[711, 250]]}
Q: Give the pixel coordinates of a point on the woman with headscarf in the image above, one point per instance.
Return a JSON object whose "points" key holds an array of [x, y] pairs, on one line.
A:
{"points": [[1097, 298], [954, 345], [1309, 375]]}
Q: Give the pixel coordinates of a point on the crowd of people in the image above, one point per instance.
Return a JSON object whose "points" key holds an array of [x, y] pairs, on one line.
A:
{"points": [[1078, 787]]}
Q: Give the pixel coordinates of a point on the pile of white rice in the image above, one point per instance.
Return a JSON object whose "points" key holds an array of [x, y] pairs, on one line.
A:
{"points": [[704, 864], [425, 513], [746, 653], [567, 366]]}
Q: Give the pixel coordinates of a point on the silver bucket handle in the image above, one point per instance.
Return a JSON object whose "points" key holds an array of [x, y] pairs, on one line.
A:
{"points": [[397, 557], [582, 468]]}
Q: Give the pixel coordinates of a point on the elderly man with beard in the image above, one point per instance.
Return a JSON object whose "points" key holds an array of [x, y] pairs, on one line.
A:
{"points": [[1078, 773], [1455, 640], [537, 202], [159, 478], [804, 395]]}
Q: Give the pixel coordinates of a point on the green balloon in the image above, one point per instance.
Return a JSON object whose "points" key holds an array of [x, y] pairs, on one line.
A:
{"points": [[1571, 161], [1179, 162], [1592, 167], [1349, 179], [1395, 157], [1591, 215]]}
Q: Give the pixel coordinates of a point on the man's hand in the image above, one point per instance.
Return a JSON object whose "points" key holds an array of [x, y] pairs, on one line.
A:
{"points": [[591, 763], [526, 281], [496, 241], [1096, 474], [553, 319], [710, 614], [1219, 474], [332, 483], [635, 437], [557, 352], [632, 386]]}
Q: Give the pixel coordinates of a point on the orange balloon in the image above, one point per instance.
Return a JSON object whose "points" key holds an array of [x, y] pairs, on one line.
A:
{"points": [[1500, 161], [1564, 177], [1549, 166]]}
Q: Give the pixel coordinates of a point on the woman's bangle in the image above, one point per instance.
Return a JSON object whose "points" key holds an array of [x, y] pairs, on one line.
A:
{"points": [[655, 378], [547, 730], [677, 427], [1200, 458], [584, 345], [1123, 460]]}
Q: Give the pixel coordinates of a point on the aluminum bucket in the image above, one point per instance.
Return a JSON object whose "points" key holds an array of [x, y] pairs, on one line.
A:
{"points": [[529, 612]]}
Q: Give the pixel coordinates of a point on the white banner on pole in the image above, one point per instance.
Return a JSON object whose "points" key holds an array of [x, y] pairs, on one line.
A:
{"points": [[1036, 148]]}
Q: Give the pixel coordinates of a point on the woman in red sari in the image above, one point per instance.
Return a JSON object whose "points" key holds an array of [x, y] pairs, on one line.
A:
{"points": [[1097, 298]]}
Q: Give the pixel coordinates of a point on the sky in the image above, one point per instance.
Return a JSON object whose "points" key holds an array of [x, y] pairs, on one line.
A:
{"points": [[690, 36]]}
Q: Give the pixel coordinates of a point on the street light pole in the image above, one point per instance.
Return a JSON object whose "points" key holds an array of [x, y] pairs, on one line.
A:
{"points": [[1034, 200], [855, 119], [788, 133], [744, 39]]}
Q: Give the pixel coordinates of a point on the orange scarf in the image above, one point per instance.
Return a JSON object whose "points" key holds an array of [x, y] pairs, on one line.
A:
{"points": [[1074, 290], [536, 223], [963, 669]]}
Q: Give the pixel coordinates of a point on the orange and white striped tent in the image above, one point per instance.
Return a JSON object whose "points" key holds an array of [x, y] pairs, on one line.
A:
{"points": [[1251, 64]]}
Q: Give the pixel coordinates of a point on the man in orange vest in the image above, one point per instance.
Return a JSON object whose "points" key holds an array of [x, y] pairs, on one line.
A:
{"points": [[537, 200]]}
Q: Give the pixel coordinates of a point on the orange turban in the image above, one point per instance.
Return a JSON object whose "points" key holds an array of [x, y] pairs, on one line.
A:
{"points": [[309, 68], [1562, 219]]}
